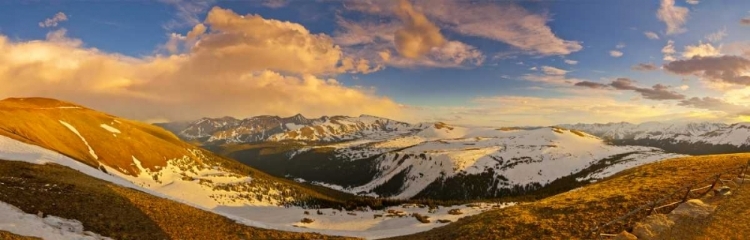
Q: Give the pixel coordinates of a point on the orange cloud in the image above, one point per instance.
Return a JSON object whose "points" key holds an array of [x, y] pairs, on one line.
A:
{"points": [[418, 35], [234, 65]]}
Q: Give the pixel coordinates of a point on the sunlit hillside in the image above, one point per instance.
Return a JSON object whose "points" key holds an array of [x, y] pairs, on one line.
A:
{"points": [[574, 214]]}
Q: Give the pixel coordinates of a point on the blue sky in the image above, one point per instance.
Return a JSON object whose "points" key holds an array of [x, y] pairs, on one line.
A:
{"points": [[525, 65]]}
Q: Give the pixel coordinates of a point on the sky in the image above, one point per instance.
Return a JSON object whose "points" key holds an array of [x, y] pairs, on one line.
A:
{"points": [[479, 63]]}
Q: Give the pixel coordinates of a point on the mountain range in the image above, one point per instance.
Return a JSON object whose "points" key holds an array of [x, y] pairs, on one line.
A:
{"points": [[84, 174]]}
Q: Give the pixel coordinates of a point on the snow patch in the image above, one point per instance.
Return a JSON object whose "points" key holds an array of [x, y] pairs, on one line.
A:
{"points": [[16, 221], [74, 130], [110, 128]]}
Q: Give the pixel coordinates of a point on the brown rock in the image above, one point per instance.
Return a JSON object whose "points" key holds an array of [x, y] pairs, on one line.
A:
{"points": [[653, 226], [625, 235]]}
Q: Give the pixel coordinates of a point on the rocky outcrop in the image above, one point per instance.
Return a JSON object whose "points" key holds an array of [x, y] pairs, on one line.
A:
{"points": [[658, 226]]}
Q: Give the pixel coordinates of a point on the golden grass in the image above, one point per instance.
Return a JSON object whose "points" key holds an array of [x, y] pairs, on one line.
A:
{"points": [[117, 212], [730, 221], [36, 121], [573, 215], [10, 236]]}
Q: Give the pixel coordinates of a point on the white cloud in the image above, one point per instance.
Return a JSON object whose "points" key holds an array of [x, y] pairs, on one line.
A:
{"points": [[651, 35], [188, 12], [553, 70], [54, 20], [275, 3], [693, 2], [571, 62], [669, 51], [684, 87], [673, 16], [717, 36], [615, 53], [702, 49], [620, 46]]}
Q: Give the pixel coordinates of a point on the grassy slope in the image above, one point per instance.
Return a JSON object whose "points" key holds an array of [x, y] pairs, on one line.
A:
{"points": [[36, 121], [730, 221], [573, 214], [10, 236], [114, 211]]}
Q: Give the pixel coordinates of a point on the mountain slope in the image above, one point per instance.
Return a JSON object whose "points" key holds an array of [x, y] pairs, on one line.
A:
{"points": [[687, 138], [144, 154], [436, 159], [115, 211], [573, 215]]}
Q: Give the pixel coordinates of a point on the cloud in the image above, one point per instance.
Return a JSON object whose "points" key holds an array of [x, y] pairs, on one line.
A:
{"points": [[615, 53], [553, 70], [550, 75], [684, 87], [506, 22], [546, 111], [571, 62], [702, 49], [450, 55], [187, 12], [692, 2], [376, 41], [241, 66], [593, 85], [669, 51], [651, 35], [727, 69], [656, 92], [673, 16], [620, 46], [54, 20], [745, 21], [644, 67], [503, 22], [275, 3], [418, 35], [715, 104], [717, 36]]}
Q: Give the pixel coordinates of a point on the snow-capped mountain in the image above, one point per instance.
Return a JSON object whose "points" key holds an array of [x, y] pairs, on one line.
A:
{"points": [[687, 138], [438, 159], [297, 128]]}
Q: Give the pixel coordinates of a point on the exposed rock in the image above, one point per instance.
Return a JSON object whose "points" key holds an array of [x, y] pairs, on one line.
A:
{"points": [[421, 218], [694, 208], [377, 216], [307, 220], [351, 213], [307, 213], [444, 221], [455, 211], [722, 191], [320, 213], [653, 226], [625, 235]]}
